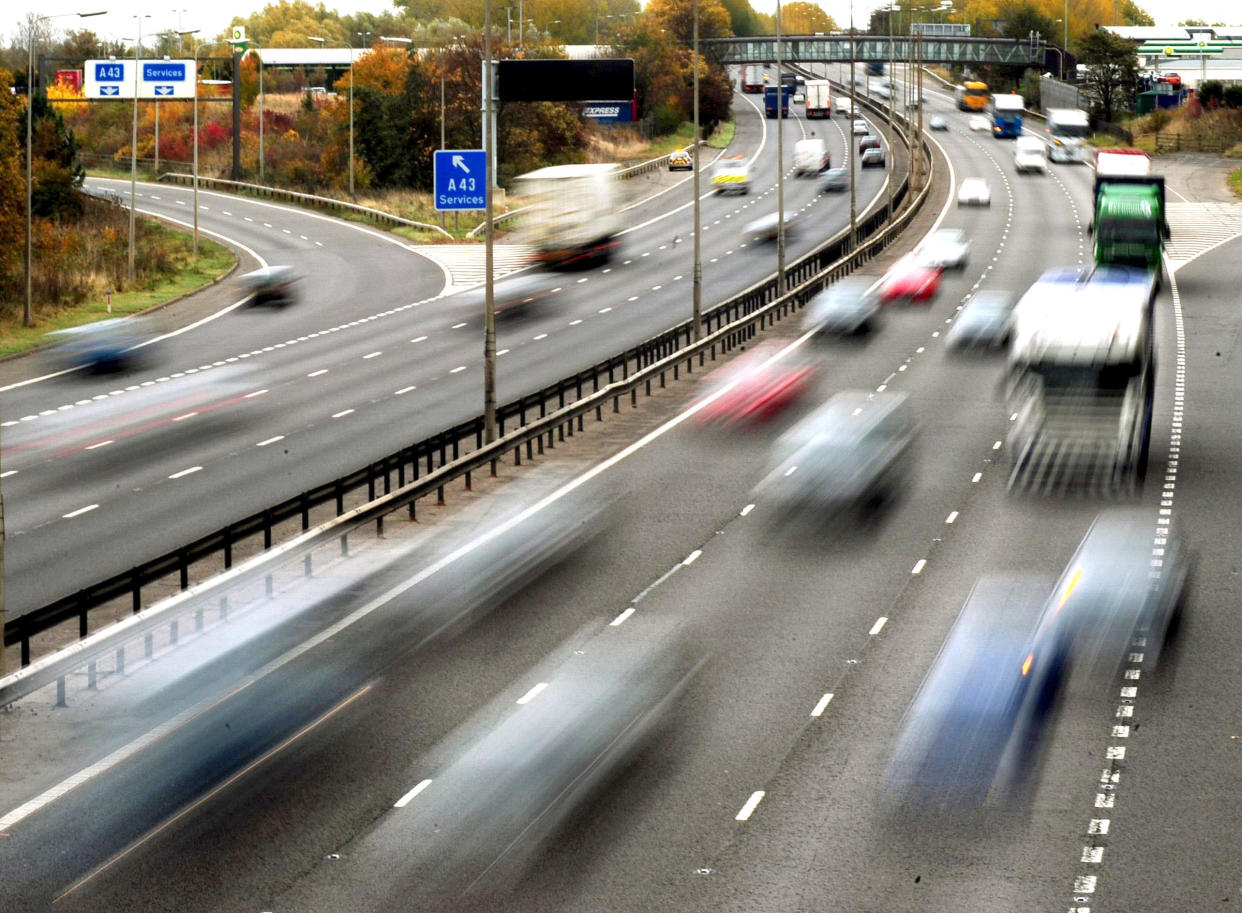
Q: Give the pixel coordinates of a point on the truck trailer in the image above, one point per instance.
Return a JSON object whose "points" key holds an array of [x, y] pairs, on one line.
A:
{"points": [[818, 98], [752, 79], [1130, 222], [1081, 380], [572, 218], [770, 100]]}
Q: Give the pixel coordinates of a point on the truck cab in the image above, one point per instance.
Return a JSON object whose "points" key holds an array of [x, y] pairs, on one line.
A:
{"points": [[1130, 223], [732, 175]]}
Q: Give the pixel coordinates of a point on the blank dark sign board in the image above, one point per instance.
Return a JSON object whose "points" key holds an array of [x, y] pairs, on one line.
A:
{"points": [[566, 80]]}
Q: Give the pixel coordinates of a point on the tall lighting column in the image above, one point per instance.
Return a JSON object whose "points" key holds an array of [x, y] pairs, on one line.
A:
{"points": [[133, 149], [489, 297], [323, 41], [697, 299], [849, 151], [780, 162]]}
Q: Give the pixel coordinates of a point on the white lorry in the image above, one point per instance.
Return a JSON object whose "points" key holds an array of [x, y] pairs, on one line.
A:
{"points": [[1082, 380], [811, 156], [818, 98], [1068, 129], [572, 218]]}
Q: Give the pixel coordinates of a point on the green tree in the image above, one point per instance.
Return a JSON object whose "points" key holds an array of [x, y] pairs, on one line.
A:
{"points": [[56, 171], [1021, 17], [1133, 14], [12, 186], [1112, 71]]}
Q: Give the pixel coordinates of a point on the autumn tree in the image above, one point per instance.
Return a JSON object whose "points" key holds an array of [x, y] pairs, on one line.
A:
{"points": [[1112, 71], [1133, 14], [12, 186], [289, 23], [802, 18], [676, 17]]}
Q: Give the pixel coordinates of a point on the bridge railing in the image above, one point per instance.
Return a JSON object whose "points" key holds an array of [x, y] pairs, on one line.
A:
{"points": [[398, 481]]}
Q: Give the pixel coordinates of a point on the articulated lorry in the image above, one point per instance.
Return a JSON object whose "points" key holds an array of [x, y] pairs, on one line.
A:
{"points": [[770, 100], [1007, 116], [752, 78], [572, 219], [1082, 380], [818, 98], [1067, 131], [1130, 222]]}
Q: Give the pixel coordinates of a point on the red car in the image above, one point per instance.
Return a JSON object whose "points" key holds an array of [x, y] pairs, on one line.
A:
{"points": [[759, 390], [909, 280]]}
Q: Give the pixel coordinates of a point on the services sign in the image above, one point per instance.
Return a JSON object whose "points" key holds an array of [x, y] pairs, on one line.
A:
{"points": [[157, 79], [460, 178]]}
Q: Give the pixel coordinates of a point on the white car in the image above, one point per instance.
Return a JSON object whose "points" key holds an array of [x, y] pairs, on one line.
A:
{"points": [[939, 123], [974, 192], [979, 122], [1030, 154], [860, 127], [946, 248]]}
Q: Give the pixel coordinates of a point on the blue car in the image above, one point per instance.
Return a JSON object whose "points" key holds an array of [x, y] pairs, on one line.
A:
{"points": [[973, 730]]}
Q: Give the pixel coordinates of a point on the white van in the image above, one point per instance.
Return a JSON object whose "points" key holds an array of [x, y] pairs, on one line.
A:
{"points": [[810, 156], [1030, 154], [843, 106]]}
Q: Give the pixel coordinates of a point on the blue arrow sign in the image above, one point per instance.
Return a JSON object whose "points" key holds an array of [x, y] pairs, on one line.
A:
{"points": [[460, 179], [163, 90], [109, 90]]}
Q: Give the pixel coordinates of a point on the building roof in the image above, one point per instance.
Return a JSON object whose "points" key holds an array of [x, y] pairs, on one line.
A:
{"points": [[1174, 33]]}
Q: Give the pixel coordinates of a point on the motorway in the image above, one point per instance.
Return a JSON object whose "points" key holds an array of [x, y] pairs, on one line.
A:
{"points": [[257, 406], [278, 793]]}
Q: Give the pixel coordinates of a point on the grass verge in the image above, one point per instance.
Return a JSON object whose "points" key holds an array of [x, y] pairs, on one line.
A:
{"points": [[1235, 182], [214, 261]]}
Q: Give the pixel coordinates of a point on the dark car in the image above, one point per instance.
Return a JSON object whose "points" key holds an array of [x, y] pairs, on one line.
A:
{"points": [[274, 285], [974, 727], [835, 180]]}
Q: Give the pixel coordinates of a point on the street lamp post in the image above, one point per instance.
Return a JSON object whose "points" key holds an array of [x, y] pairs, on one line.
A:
{"points": [[697, 297], [780, 162], [133, 148], [323, 41]]}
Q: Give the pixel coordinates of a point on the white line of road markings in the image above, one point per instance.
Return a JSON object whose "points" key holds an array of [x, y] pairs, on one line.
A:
{"points": [[532, 693], [405, 800], [404, 390], [1085, 885], [751, 804], [343, 413], [185, 472], [458, 369], [13, 472], [254, 394], [318, 373], [80, 511], [620, 619], [878, 626], [692, 557], [918, 566], [822, 705], [951, 517], [270, 440], [419, 339], [372, 355], [746, 510], [181, 418]]}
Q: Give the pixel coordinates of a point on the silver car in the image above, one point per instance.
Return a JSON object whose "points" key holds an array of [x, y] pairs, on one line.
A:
{"points": [[985, 321], [844, 308], [945, 248]]}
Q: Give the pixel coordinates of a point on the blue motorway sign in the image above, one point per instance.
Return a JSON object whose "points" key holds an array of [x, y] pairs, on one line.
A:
{"points": [[460, 179], [109, 72], [163, 71]]}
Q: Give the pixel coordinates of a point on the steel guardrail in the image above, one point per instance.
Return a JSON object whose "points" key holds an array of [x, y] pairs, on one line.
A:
{"points": [[535, 414]]}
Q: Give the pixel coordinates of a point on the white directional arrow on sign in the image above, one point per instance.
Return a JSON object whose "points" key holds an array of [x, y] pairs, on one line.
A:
{"points": [[163, 90], [109, 90], [459, 162]]}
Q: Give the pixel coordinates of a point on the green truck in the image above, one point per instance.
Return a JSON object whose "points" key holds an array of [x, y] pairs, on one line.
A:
{"points": [[1130, 222]]}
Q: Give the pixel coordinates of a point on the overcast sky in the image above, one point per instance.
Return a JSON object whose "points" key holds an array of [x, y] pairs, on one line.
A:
{"points": [[213, 17]]}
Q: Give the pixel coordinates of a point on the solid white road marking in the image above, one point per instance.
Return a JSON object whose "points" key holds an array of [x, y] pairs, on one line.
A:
{"points": [[919, 565], [80, 511], [185, 472], [751, 804], [745, 510], [822, 705], [620, 619], [878, 626], [404, 390], [532, 693], [951, 517], [372, 355], [270, 440], [405, 800], [458, 369], [692, 557], [342, 413], [317, 373], [91, 447]]}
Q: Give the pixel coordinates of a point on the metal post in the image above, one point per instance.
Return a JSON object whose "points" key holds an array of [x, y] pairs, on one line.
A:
{"points": [[441, 131], [892, 105], [780, 162], [697, 298], [351, 121], [260, 59], [849, 151], [489, 300], [236, 173], [196, 49], [27, 312], [133, 152]]}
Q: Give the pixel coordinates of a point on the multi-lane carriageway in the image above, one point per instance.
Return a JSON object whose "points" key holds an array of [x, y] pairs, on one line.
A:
{"points": [[280, 793]]}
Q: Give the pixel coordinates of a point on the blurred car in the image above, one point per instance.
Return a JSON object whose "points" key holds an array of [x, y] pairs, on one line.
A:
{"points": [[518, 776], [938, 122], [868, 142], [861, 127], [799, 97], [843, 106], [945, 248], [680, 160], [851, 452], [732, 175], [909, 280], [844, 308], [978, 122], [872, 158], [1030, 154], [275, 285], [512, 296], [759, 388], [985, 321], [105, 346], [835, 180], [974, 192], [765, 228], [1126, 581], [974, 727]]}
